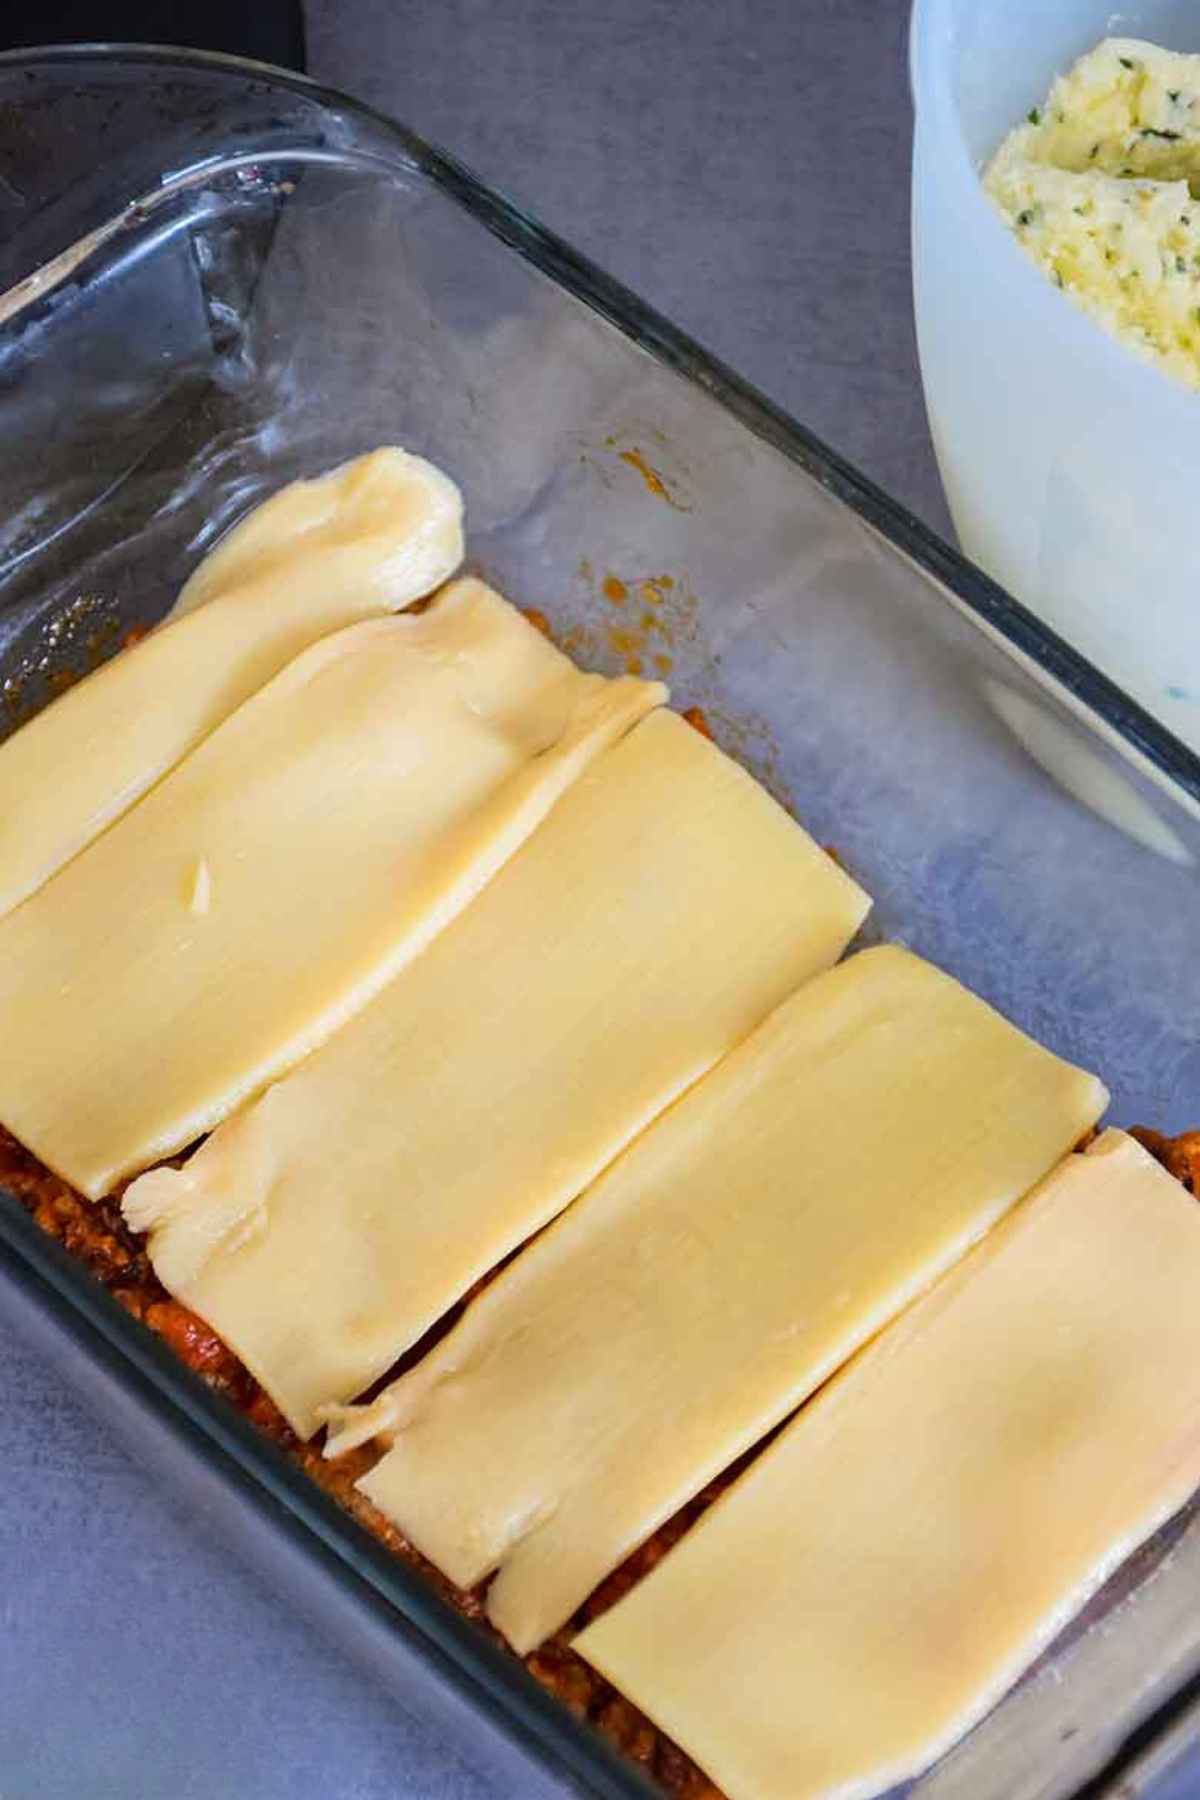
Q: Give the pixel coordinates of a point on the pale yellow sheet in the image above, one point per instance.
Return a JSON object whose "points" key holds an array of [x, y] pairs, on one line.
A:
{"points": [[743, 1247], [877, 1580], [663, 908], [266, 890], [366, 539]]}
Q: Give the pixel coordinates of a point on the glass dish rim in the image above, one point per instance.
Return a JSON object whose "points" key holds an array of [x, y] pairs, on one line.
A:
{"points": [[495, 1681], [983, 600]]}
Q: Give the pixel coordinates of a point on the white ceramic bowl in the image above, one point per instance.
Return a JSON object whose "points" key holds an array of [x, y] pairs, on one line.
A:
{"points": [[1071, 465]]}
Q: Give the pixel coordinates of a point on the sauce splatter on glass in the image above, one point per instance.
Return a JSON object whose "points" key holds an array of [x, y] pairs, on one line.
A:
{"points": [[653, 480]]}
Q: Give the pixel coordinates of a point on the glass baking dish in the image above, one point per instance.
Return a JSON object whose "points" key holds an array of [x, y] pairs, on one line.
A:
{"points": [[214, 277]]}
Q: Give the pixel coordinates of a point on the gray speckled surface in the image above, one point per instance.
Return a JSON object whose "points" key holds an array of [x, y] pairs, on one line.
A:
{"points": [[746, 169]]}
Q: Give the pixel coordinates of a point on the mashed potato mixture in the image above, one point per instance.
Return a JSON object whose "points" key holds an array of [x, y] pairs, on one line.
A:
{"points": [[1098, 186]]}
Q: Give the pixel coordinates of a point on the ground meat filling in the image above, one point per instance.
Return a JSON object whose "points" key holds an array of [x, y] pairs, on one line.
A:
{"points": [[1179, 1156], [95, 1232]]}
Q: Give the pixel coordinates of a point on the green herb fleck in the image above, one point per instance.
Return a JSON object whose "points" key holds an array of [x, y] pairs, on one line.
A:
{"points": [[1034, 116], [1173, 96], [1169, 137], [1126, 63], [1093, 153], [1181, 265], [1025, 216], [1127, 170]]}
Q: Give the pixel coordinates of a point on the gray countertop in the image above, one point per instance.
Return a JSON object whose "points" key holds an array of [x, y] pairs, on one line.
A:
{"points": [[746, 169]]}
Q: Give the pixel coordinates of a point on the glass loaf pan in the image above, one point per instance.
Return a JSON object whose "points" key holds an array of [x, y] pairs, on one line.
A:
{"points": [[216, 277]]}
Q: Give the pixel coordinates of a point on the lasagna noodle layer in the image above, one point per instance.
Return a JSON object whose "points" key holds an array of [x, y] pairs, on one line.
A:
{"points": [[267, 889], [911, 1543], [759, 1232], [661, 911], [366, 539]]}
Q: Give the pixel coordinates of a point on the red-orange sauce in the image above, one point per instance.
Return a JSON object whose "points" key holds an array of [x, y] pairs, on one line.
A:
{"points": [[653, 480]]}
